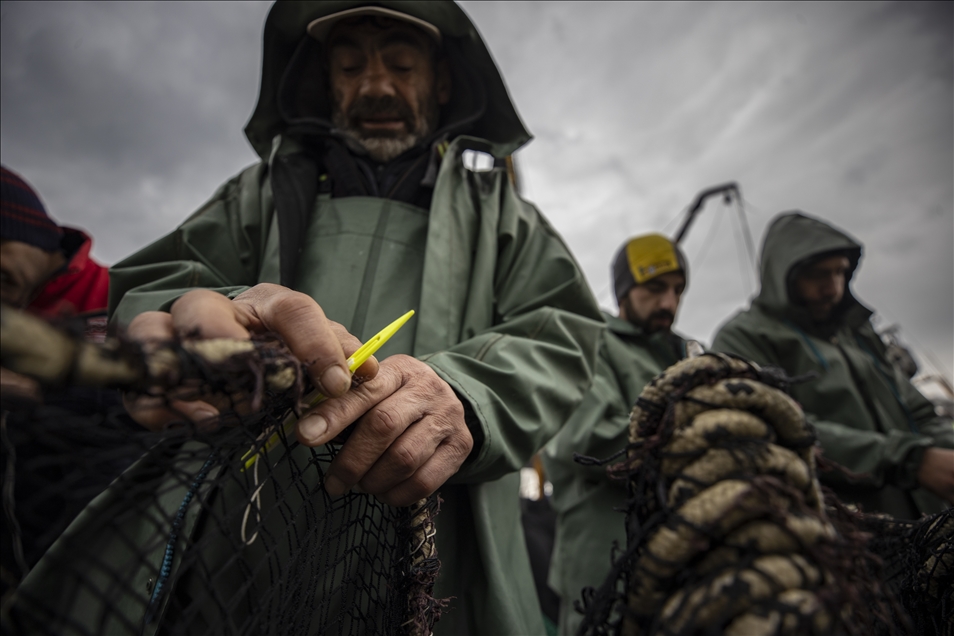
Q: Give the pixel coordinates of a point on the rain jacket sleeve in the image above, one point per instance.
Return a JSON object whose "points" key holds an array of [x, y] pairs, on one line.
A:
{"points": [[891, 457], [526, 372], [220, 247], [598, 428]]}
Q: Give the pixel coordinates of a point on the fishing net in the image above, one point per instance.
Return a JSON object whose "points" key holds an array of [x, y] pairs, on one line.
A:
{"points": [[729, 532], [112, 529], [918, 559]]}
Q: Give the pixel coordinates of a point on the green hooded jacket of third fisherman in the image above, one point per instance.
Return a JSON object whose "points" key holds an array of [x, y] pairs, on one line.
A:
{"points": [[869, 417], [504, 314]]}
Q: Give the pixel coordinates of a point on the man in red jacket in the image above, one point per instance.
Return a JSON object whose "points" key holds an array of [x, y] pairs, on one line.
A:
{"points": [[44, 267]]}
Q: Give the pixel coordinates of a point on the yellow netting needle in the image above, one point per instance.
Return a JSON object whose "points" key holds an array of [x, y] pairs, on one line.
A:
{"points": [[358, 358]]}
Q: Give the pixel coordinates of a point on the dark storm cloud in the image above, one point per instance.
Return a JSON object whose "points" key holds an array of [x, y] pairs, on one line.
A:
{"points": [[123, 114], [125, 82]]}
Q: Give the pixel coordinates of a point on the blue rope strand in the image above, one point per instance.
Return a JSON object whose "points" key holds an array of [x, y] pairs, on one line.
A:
{"points": [[165, 571]]}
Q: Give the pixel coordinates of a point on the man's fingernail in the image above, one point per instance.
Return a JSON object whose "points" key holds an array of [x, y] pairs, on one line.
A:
{"points": [[335, 380], [205, 414], [334, 486], [313, 427]]}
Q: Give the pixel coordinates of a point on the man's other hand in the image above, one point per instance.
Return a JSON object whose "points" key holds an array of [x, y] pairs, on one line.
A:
{"points": [[321, 344], [937, 472], [409, 439]]}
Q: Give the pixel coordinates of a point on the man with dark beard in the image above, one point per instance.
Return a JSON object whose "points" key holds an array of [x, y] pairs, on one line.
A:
{"points": [[360, 209], [649, 277]]}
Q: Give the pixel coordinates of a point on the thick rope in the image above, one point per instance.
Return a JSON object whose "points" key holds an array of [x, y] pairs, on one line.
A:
{"points": [[727, 529]]}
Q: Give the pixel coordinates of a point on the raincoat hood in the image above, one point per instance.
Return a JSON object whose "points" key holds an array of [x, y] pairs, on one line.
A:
{"points": [[294, 99], [791, 240]]}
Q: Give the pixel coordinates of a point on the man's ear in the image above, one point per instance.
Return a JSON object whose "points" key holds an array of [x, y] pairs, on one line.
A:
{"points": [[444, 87]]}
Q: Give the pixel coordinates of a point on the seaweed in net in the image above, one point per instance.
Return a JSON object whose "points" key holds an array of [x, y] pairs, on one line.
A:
{"points": [[728, 530], [192, 538]]}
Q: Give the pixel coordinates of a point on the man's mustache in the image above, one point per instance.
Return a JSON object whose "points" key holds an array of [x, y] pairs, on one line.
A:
{"points": [[371, 107], [661, 314]]}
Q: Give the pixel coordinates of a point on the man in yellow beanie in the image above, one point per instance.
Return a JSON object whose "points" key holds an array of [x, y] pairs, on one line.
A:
{"points": [[649, 276]]}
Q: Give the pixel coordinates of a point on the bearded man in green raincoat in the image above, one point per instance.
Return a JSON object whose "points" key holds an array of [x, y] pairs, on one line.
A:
{"points": [[649, 276], [869, 417], [361, 209]]}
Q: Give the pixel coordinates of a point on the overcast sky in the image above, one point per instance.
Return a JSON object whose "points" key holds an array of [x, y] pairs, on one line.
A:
{"points": [[126, 117]]}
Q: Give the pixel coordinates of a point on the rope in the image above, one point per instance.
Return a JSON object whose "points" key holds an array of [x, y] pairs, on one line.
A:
{"points": [[255, 502], [165, 570], [727, 525]]}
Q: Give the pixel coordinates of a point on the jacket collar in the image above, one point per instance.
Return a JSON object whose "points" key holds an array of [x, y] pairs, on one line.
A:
{"points": [[623, 327]]}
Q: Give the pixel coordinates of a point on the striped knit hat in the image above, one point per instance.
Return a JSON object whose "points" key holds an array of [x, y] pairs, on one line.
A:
{"points": [[22, 215]]}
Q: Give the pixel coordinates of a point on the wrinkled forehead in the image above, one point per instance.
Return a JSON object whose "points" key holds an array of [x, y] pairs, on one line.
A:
{"points": [[371, 31]]}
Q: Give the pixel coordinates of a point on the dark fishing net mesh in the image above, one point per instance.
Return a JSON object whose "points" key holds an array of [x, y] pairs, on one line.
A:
{"points": [[918, 559], [112, 529], [729, 532]]}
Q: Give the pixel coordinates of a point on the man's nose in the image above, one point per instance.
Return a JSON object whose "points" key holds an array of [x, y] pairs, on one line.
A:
{"points": [[670, 301], [829, 286], [376, 80]]}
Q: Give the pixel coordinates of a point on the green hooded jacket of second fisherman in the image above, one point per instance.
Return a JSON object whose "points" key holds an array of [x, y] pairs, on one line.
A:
{"points": [[637, 346], [869, 417], [504, 315]]}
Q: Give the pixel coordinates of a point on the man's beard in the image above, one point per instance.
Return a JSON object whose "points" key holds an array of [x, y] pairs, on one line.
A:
{"points": [[825, 312], [648, 325], [382, 145]]}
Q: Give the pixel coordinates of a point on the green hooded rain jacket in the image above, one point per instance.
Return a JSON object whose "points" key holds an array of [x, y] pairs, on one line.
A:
{"points": [[504, 313], [584, 497], [869, 417]]}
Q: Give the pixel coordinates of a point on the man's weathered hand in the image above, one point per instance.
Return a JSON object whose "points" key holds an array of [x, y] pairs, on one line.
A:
{"points": [[936, 472], [409, 439], [321, 344]]}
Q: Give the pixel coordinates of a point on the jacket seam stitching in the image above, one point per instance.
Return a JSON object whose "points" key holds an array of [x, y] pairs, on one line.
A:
{"points": [[543, 323], [484, 350]]}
